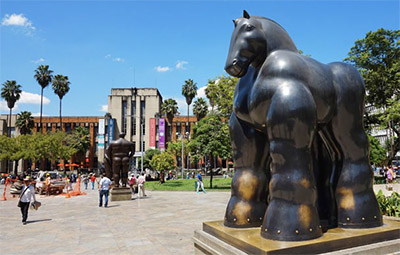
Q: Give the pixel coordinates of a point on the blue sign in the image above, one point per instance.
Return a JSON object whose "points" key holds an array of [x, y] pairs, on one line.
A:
{"points": [[110, 130]]}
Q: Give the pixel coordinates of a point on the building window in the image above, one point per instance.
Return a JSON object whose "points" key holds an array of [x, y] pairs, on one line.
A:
{"points": [[133, 110], [143, 115], [144, 146], [124, 105], [157, 145], [134, 145]]}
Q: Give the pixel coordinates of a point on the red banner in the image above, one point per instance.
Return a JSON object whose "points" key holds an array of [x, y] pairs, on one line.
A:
{"points": [[152, 136]]}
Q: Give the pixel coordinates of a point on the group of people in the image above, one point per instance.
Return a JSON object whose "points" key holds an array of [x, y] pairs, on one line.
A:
{"points": [[89, 178], [105, 183]]}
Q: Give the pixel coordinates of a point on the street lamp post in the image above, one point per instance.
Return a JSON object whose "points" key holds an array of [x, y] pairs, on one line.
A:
{"points": [[182, 136], [141, 142]]}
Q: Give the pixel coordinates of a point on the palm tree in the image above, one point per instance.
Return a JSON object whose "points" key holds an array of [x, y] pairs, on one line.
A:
{"points": [[43, 76], [24, 122], [169, 107], [189, 91], [200, 108], [60, 87], [11, 92], [212, 93]]}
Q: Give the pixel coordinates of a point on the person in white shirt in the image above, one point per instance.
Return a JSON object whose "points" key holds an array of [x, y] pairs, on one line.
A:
{"points": [[141, 181], [104, 186], [27, 192]]}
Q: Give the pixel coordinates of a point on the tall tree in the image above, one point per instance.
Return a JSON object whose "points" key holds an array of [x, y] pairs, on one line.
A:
{"points": [[377, 57], [162, 162], [61, 87], [25, 122], [200, 108], [11, 92], [189, 91], [169, 108], [220, 93], [211, 138], [80, 141], [43, 76]]}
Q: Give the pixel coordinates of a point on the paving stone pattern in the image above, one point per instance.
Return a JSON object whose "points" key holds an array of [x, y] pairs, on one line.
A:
{"points": [[161, 223]]}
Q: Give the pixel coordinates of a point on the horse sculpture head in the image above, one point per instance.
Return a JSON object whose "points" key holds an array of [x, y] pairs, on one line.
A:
{"points": [[253, 39], [247, 45]]}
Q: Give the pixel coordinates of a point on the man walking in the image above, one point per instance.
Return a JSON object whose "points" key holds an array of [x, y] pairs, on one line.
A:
{"points": [[104, 187], [200, 182], [141, 181], [92, 180]]}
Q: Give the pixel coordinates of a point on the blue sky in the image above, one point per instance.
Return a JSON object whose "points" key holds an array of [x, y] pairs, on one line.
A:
{"points": [[104, 44]]}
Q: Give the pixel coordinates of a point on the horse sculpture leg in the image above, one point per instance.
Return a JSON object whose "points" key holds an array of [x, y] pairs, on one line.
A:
{"points": [[247, 205], [357, 204], [291, 123]]}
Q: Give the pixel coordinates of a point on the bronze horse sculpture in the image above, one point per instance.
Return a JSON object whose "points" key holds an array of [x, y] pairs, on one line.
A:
{"points": [[300, 150]]}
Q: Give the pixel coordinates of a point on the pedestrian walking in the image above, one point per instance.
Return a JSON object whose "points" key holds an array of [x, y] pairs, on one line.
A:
{"points": [[28, 192], [86, 181], [141, 181], [200, 182], [132, 183], [48, 183], [104, 187], [92, 180]]}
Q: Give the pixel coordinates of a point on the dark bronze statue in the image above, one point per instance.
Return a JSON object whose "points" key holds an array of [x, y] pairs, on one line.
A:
{"points": [[117, 158], [300, 150]]}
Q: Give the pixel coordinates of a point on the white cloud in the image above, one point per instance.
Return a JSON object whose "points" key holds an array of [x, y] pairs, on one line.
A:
{"points": [[180, 64], [182, 106], [37, 61], [18, 20], [108, 56], [4, 107], [37, 114], [104, 108], [162, 68], [30, 98], [201, 92], [118, 60]]}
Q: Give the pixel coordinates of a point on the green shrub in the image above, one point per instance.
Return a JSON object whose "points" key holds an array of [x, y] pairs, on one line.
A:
{"points": [[379, 180], [389, 206]]}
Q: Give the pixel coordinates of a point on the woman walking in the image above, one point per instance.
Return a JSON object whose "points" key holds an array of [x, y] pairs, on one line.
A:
{"points": [[28, 192]]}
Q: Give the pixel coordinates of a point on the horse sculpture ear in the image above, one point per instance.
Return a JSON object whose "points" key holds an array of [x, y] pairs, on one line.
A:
{"points": [[234, 22], [246, 15]]}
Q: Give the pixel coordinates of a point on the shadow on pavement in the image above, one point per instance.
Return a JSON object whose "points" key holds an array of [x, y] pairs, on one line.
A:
{"points": [[35, 221]]}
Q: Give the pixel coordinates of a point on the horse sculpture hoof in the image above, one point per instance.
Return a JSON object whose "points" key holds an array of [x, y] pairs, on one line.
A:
{"points": [[244, 214]]}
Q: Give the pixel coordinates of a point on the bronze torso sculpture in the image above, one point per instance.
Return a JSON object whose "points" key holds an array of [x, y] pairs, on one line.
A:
{"points": [[117, 158], [300, 151]]}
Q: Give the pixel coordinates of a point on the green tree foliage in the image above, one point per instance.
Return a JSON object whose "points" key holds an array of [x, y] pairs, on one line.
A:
{"points": [[211, 138], [377, 154], [169, 107], [43, 76], [148, 156], [61, 87], [175, 148], [11, 92], [200, 108], [220, 94], [25, 122], [161, 162], [79, 140], [377, 57]]}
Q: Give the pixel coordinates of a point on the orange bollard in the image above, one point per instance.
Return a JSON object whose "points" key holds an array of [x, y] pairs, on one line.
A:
{"points": [[3, 198]]}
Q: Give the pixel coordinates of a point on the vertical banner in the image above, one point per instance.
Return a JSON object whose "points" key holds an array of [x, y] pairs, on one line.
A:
{"points": [[152, 135], [161, 135], [110, 131], [101, 127]]}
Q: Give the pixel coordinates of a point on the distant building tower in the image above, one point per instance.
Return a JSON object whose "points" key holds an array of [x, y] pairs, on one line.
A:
{"points": [[133, 108]]}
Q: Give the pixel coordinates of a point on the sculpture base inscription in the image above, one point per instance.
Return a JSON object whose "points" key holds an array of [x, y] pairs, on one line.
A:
{"points": [[215, 236]]}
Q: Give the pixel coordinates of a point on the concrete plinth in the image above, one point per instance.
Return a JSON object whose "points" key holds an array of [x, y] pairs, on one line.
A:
{"points": [[120, 194], [215, 238]]}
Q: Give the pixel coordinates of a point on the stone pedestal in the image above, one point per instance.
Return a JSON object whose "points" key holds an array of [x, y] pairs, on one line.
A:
{"points": [[120, 194], [215, 238]]}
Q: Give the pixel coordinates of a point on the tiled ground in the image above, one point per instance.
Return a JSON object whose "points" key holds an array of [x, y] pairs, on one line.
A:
{"points": [[162, 223]]}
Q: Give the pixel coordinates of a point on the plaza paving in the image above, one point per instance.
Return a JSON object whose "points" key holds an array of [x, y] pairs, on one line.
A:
{"points": [[161, 223]]}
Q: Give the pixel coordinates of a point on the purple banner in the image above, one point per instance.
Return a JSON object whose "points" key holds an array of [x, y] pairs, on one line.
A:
{"points": [[161, 134]]}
